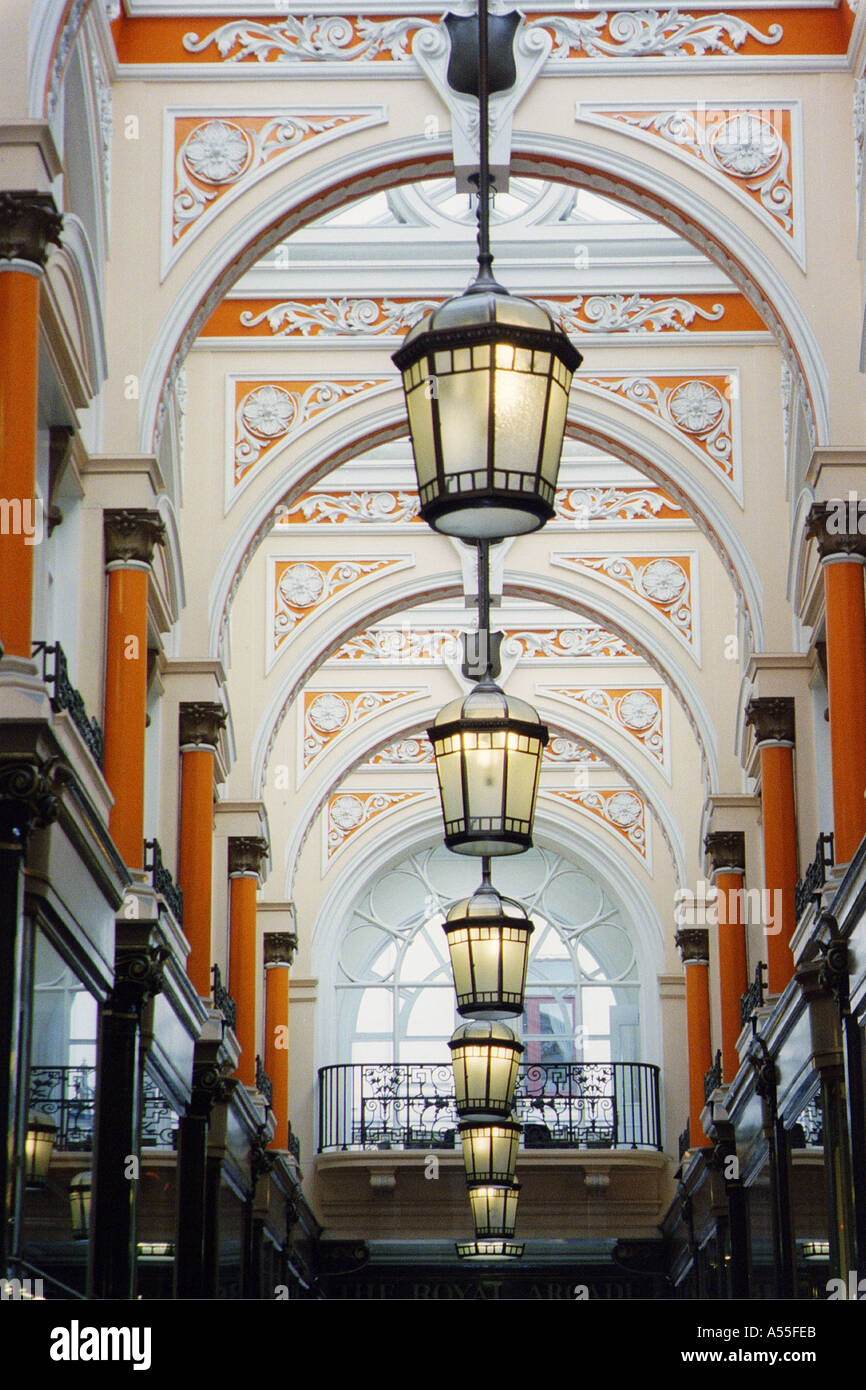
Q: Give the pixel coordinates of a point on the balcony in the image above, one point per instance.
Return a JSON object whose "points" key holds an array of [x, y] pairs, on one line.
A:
{"points": [[562, 1105], [66, 1095]]}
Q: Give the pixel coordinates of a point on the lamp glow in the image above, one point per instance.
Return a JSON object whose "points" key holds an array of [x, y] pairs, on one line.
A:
{"points": [[485, 1058], [488, 940], [490, 1152], [38, 1148]]}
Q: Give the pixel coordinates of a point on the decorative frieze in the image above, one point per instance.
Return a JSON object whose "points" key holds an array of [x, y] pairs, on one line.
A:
{"points": [[392, 316], [404, 752], [587, 640], [268, 414], [327, 714], [199, 723], [660, 582], [29, 224], [131, 535], [348, 812], [621, 809], [345, 39], [386, 507], [435, 646]]}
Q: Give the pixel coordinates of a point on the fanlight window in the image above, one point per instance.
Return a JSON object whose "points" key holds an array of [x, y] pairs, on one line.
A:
{"points": [[395, 990]]}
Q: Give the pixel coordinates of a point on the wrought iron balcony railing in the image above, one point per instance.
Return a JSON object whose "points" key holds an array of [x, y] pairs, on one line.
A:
{"points": [[162, 881], [754, 996], [410, 1105], [713, 1078], [264, 1084], [222, 1000], [66, 697], [67, 1095], [809, 887]]}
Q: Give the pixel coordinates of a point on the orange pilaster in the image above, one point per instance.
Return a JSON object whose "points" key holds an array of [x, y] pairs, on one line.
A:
{"points": [[242, 970], [276, 1048], [700, 1047], [195, 860], [846, 683], [126, 708], [733, 968], [780, 860], [19, 374]]}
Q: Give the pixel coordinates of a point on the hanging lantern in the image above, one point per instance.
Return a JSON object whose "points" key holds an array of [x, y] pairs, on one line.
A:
{"points": [[494, 1209], [488, 756], [486, 378], [79, 1202], [488, 938], [485, 1058], [488, 1250], [490, 1151], [38, 1148]]}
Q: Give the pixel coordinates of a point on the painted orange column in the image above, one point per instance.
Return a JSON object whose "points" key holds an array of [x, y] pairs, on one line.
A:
{"points": [[130, 537], [200, 723], [726, 851], [773, 719], [694, 948], [843, 553], [279, 953], [246, 854], [28, 223]]}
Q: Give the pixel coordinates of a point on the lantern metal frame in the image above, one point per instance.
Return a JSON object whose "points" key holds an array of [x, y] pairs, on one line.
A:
{"points": [[489, 952], [501, 1139], [80, 1196], [485, 1057], [489, 1249], [477, 338], [38, 1148], [494, 1209]]}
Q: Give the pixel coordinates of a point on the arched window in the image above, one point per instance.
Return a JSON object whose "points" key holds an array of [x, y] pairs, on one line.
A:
{"points": [[395, 990]]}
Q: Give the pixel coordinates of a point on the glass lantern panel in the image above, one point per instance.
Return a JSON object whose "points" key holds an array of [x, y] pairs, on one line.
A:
{"points": [[419, 403], [556, 412], [463, 409], [518, 417]]}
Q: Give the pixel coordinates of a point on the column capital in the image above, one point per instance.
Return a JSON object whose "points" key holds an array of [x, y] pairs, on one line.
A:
{"points": [[726, 849], [280, 947], [29, 224], [138, 975], [829, 523], [247, 853], [30, 794], [772, 717], [199, 722], [693, 945], [131, 534]]}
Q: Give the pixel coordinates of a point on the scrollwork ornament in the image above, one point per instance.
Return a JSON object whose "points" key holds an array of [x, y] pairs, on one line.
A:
{"points": [[30, 795]]}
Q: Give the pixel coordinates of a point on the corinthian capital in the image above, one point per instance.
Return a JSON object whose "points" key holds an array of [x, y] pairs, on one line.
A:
{"points": [[29, 223], [773, 718], [693, 945], [246, 854], [725, 849], [131, 534], [200, 722], [30, 793], [835, 526]]}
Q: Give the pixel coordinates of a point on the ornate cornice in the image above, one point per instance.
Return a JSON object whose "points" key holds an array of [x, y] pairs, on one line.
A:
{"points": [[280, 947], [725, 849], [693, 945], [828, 523], [131, 534], [29, 224], [199, 723], [30, 794], [772, 717], [247, 854]]}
